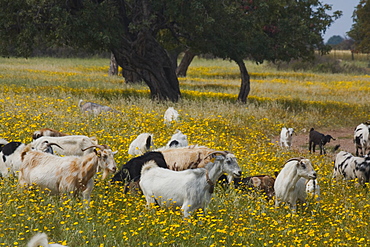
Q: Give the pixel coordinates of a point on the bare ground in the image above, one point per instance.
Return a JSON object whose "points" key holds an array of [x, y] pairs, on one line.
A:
{"points": [[343, 137]]}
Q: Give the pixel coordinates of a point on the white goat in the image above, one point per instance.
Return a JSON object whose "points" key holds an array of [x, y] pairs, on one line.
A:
{"points": [[361, 139], [47, 132], [190, 189], [178, 140], [65, 174], [171, 115], [350, 167], [313, 188], [69, 145], [94, 108], [141, 144], [288, 186], [286, 137], [41, 239]]}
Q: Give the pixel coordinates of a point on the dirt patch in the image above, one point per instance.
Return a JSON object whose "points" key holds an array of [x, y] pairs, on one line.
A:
{"points": [[343, 137]]}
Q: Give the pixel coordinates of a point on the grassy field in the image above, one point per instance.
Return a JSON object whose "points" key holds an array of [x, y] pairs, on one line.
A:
{"points": [[44, 92]]}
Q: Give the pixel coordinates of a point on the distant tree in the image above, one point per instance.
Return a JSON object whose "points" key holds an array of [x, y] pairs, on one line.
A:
{"points": [[258, 30], [346, 44], [335, 40], [360, 31]]}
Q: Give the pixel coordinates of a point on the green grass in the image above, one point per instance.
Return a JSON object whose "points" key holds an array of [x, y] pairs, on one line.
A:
{"points": [[44, 92]]}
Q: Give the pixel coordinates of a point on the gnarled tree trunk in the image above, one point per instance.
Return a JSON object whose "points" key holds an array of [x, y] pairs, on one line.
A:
{"points": [[129, 73], [149, 60], [185, 62], [139, 53], [245, 86]]}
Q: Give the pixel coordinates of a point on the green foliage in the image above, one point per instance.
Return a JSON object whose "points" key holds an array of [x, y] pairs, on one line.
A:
{"points": [[30, 24], [273, 30], [360, 31]]}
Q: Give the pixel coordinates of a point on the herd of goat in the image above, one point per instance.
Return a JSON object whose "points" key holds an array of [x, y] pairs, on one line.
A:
{"points": [[177, 174]]}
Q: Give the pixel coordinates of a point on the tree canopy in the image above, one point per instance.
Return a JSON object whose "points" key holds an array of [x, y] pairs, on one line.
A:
{"points": [[360, 31], [335, 40], [140, 33]]}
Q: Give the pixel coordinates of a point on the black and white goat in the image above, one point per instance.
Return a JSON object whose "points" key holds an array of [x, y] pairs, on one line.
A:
{"points": [[178, 140], [361, 139], [350, 167], [10, 156]]}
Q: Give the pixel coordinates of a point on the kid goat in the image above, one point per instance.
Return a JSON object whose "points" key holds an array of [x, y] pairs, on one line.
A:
{"points": [[287, 188], [286, 137], [317, 138], [189, 189], [65, 174]]}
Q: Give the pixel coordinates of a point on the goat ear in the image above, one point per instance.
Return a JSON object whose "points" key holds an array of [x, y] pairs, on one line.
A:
{"points": [[97, 152], [301, 164], [212, 158], [256, 181]]}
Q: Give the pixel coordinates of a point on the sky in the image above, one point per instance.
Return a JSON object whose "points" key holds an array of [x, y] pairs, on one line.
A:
{"points": [[342, 25]]}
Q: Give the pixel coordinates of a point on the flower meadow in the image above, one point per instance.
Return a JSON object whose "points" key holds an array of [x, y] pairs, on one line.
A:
{"points": [[44, 92]]}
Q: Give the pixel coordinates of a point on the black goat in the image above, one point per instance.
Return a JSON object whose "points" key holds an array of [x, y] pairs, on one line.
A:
{"points": [[317, 138], [131, 171]]}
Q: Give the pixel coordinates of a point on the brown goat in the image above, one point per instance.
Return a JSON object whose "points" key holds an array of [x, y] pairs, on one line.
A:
{"points": [[184, 158], [262, 183], [47, 132]]}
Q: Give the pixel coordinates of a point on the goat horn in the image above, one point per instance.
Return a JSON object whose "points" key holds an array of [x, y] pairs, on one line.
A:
{"points": [[55, 144], [224, 153], [297, 159], [93, 146]]}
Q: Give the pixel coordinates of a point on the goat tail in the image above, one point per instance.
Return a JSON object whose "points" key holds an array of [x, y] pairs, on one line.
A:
{"points": [[80, 103], [148, 165], [40, 239]]}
